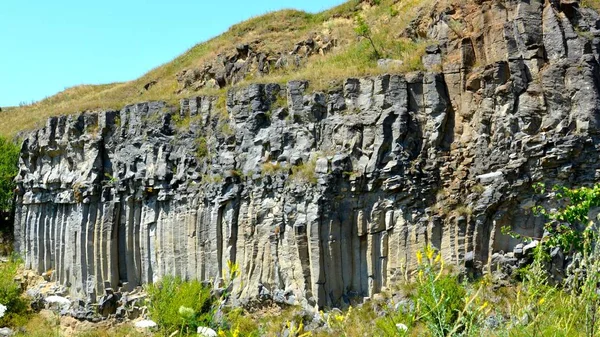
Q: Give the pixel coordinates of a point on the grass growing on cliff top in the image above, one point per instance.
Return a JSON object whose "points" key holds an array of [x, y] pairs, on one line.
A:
{"points": [[277, 31]]}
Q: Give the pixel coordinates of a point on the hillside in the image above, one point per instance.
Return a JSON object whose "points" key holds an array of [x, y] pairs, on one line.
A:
{"points": [[291, 44]]}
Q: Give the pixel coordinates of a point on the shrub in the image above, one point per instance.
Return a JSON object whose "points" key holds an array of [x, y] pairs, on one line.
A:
{"points": [[439, 296], [9, 158], [175, 304], [202, 147], [363, 30], [11, 295]]}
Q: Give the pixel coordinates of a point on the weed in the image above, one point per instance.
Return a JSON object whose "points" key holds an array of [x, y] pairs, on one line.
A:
{"points": [[16, 311], [201, 147], [363, 30], [9, 158], [175, 304], [479, 189], [305, 173], [272, 168], [465, 210], [225, 129], [212, 178], [111, 180]]}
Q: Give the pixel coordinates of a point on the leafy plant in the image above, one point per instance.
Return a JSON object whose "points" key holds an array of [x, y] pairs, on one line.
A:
{"points": [[363, 30], [9, 157], [111, 179], [16, 309], [568, 227], [201, 147], [175, 304]]}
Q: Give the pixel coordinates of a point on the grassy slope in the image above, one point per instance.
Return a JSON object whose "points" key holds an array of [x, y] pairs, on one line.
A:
{"points": [[276, 31]]}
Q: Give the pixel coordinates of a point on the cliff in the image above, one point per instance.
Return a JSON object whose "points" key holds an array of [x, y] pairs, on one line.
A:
{"points": [[321, 196]]}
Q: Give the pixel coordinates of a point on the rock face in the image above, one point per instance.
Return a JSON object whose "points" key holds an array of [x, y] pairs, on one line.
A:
{"points": [[324, 196], [249, 60]]}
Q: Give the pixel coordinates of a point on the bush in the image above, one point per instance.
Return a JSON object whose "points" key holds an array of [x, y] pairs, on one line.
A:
{"points": [[9, 158], [202, 148], [175, 304], [16, 313]]}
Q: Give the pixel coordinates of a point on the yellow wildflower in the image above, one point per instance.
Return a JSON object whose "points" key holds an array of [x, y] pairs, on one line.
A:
{"points": [[419, 256], [300, 327], [429, 252], [541, 301]]}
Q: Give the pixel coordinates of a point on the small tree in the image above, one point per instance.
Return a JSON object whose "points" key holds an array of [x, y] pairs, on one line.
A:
{"points": [[9, 157], [363, 30]]}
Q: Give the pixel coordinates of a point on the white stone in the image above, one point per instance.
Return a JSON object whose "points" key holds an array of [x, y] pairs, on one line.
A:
{"points": [[6, 332], [58, 300], [2, 310], [206, 332], [489, 177], [145, 324]]}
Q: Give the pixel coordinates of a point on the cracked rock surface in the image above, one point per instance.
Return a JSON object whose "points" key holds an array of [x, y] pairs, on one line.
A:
{"points": [[324, 196]]}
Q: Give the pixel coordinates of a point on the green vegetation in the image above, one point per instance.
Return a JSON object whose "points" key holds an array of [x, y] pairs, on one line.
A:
{"points": [[178, 305], [305, 172], [363, 30], [594, 4], [201, 147], [17, 311], [9, 157], [571, 229]]}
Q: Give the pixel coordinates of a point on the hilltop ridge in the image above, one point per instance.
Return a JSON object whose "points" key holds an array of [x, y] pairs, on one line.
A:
{"points": [[283, 45]]}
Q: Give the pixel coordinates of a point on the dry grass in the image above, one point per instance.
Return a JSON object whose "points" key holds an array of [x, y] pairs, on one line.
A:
{"points": [[277, 31], [594, 4]]}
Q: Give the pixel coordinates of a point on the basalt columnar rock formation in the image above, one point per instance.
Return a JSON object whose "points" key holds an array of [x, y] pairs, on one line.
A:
{"points": [[322, 196]]}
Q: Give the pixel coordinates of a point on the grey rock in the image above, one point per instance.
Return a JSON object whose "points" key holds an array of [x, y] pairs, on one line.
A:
{"points": [[518, 250], [528, 248], [325, 196], [389, 63]]}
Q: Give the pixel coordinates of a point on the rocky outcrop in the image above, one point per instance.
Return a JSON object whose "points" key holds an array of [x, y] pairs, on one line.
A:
{"points": [[324, 196], [251, 59]]}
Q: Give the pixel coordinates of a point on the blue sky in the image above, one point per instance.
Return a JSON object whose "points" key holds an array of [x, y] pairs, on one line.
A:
{"points": [[47, 46]]}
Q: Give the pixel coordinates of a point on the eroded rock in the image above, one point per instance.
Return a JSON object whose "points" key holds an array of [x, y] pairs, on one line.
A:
{"points": [[322, 196]]}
